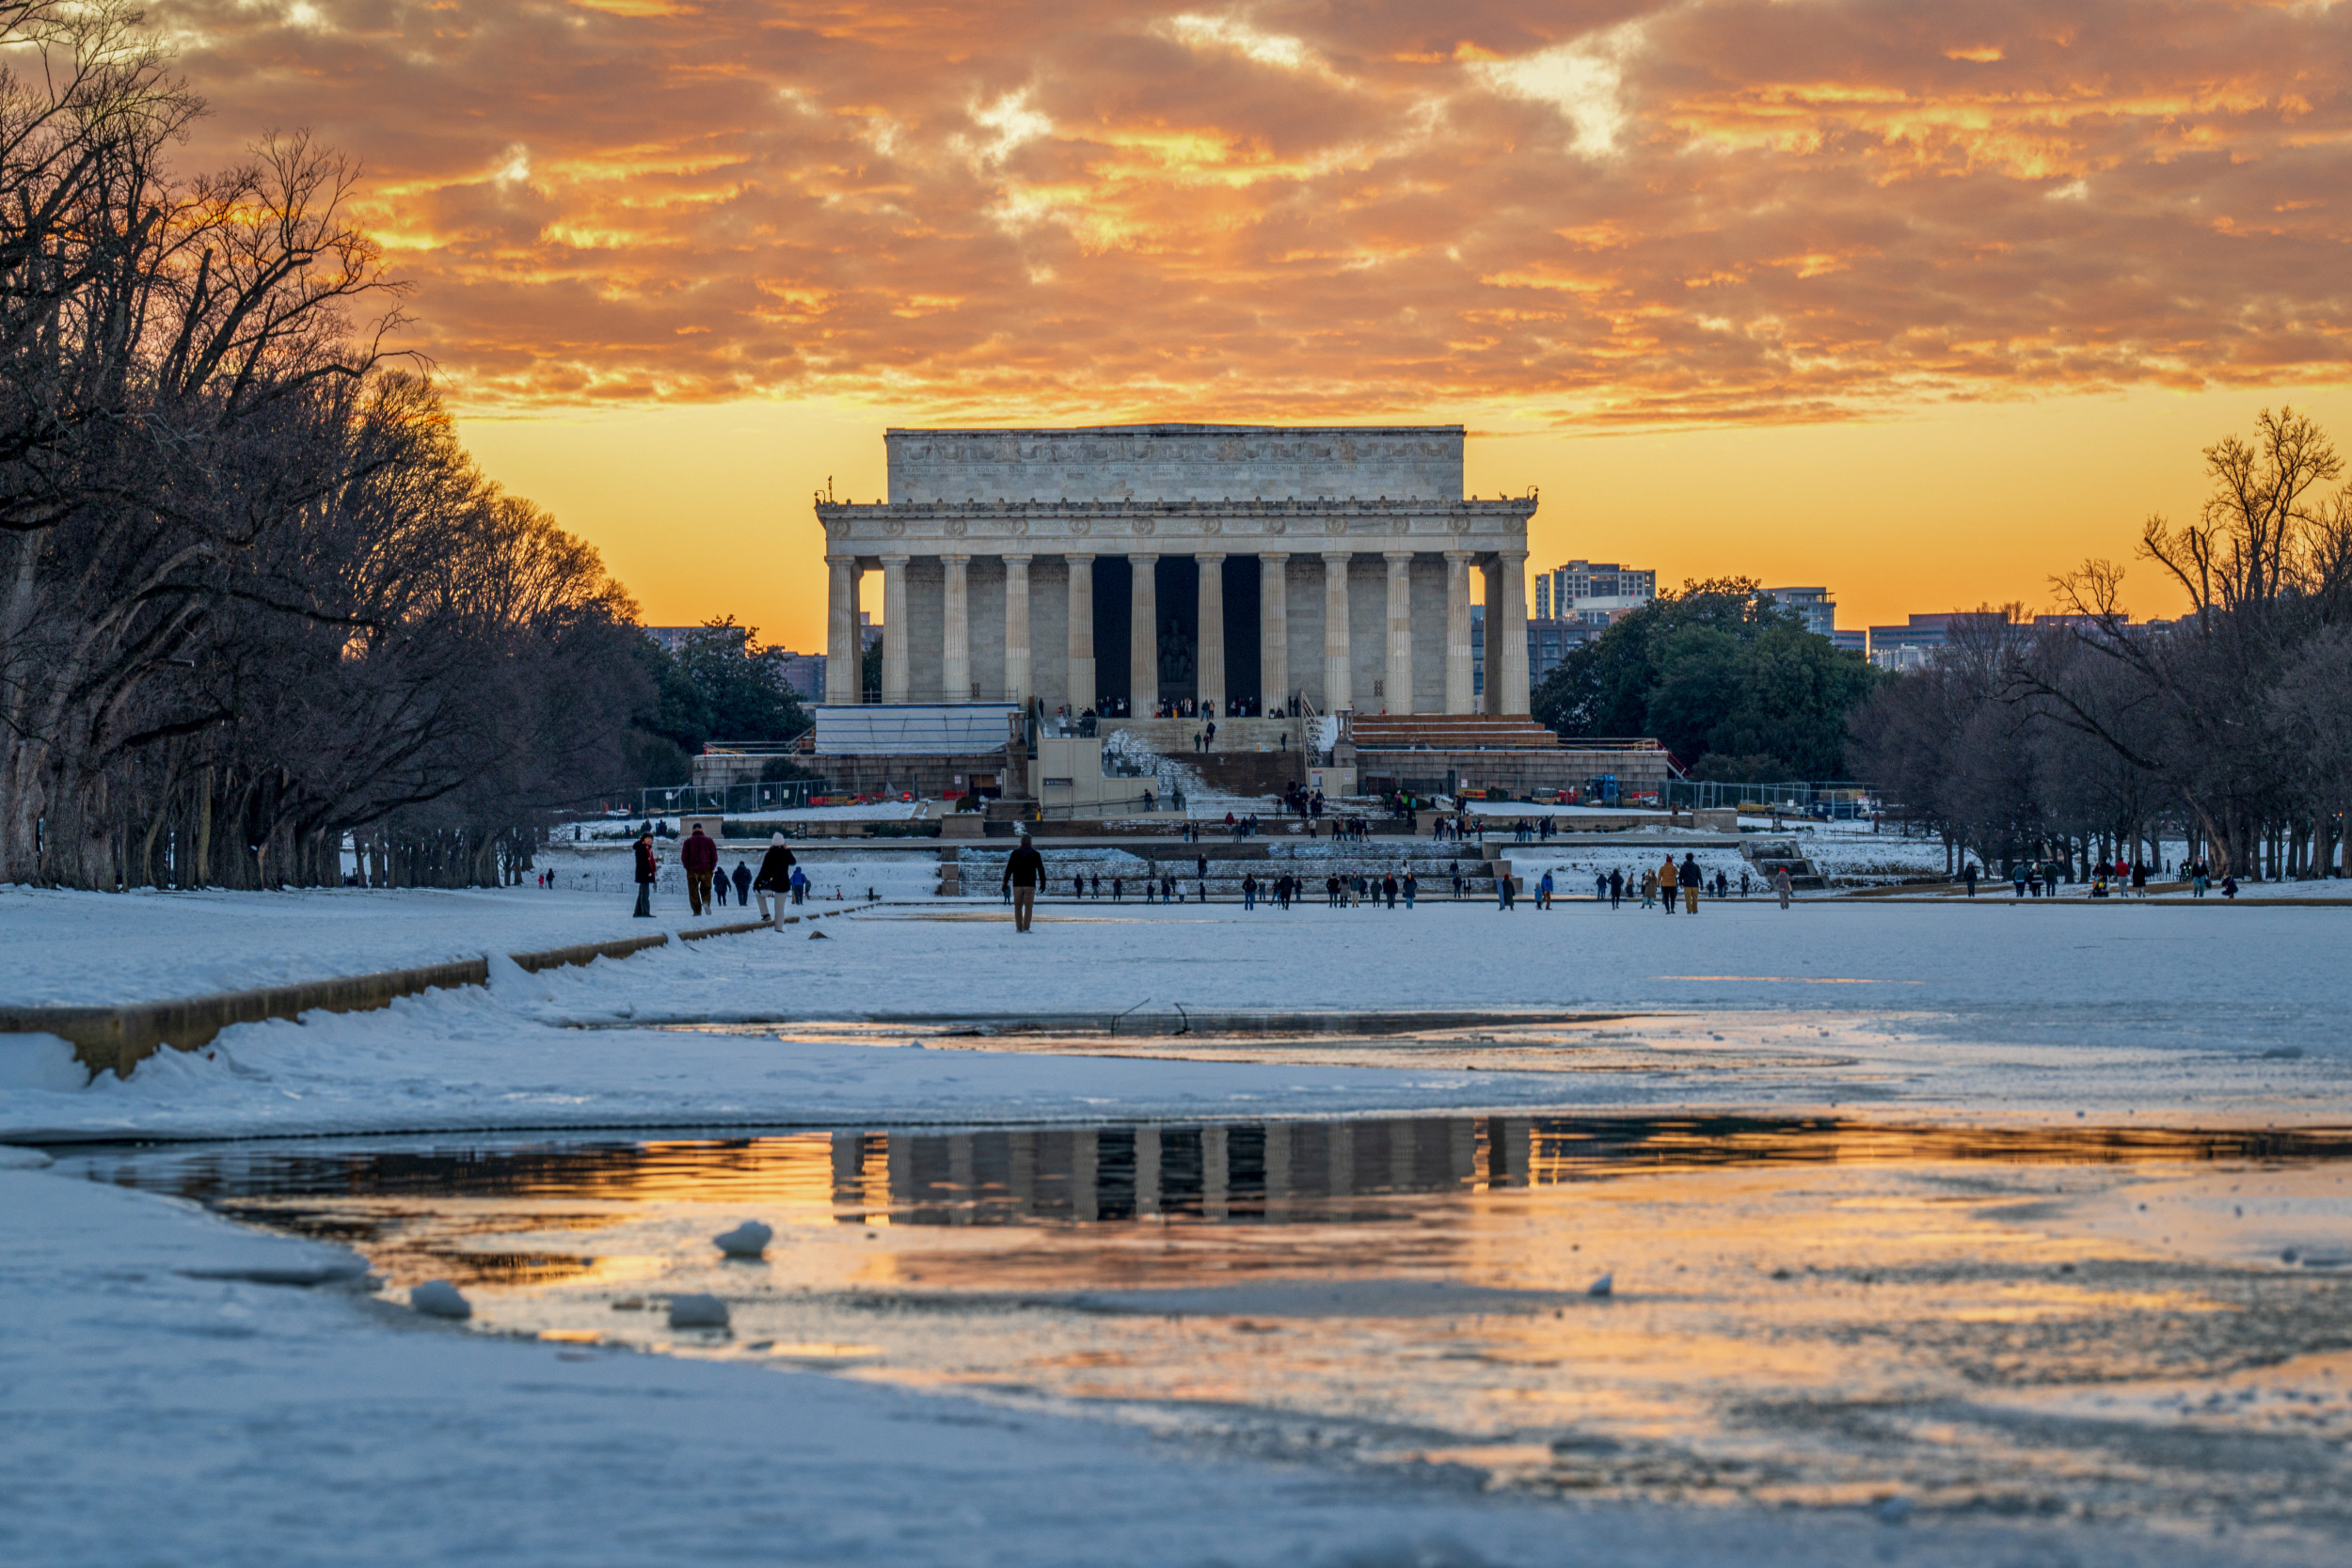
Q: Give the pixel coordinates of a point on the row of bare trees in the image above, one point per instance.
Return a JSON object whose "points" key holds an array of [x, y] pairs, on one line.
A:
{"points": [[2229, 728], [254, 598]]}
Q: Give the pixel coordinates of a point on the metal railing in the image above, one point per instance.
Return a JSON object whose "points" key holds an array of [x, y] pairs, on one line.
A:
{"points": [[793, 742], [1842, 798], [727, 800]]}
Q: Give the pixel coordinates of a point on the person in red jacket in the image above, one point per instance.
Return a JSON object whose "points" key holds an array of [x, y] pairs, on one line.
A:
{"points": [[700, 857], [648, 867]]}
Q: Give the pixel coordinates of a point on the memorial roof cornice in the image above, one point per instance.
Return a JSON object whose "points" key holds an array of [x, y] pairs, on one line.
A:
{"points": [[1049, 431], [1520, 506], [1132, 527]]}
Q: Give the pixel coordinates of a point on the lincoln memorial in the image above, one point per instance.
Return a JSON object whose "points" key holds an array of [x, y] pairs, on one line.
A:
{"points": [[1238, 567]]}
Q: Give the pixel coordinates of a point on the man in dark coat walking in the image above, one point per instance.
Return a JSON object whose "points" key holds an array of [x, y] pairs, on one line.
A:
{"points": [[742, 885], [1025, 868], [699, 855], [648, 867], [774, 880]]}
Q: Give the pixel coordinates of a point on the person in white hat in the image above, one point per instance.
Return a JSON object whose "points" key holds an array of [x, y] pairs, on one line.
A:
{"points": [[774, 879]]}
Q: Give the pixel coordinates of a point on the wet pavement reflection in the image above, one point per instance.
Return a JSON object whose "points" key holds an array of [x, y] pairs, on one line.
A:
{"points": [[2072, 1320]]}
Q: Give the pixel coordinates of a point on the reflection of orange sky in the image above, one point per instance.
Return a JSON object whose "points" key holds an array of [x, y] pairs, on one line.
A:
{"points": [[678, 264]]}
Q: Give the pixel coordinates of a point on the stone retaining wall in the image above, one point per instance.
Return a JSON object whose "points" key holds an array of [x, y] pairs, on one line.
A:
{"points": [[118, 1039]]}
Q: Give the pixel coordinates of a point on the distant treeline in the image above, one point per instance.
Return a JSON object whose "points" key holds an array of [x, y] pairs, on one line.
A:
{"points": [[2231, 727], [256, 595], [1728, 679]]}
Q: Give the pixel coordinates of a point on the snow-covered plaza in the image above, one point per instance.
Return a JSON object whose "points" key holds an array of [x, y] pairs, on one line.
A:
{"points": [[1967, 1231]]}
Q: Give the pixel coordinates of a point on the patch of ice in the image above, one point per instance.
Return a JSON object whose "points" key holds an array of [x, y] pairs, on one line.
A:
{"points": [[748, 1240], [697, 1311], [438, 1298]]}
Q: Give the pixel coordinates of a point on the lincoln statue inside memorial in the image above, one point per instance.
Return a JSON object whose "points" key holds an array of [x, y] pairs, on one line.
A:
{"points": [[1218, 569]]}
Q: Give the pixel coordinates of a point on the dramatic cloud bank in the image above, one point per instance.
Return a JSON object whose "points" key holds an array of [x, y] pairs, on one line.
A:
{"points": [[1590, 211]]}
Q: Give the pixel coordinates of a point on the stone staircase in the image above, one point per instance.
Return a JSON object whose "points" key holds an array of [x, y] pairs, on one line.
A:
{"points": [[1245, 773], [1450, 732], [1772, 857]]}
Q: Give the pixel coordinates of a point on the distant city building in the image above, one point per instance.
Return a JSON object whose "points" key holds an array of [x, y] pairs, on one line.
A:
{"points": [[1592, 592], [1916, 642], [1926, 632], [1902, 658], [804, 673], [673, 638], [1548, 641], [1855, 642], [1813, 605]]}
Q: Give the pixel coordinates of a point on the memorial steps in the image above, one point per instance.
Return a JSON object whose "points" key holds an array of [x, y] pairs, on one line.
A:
{"points": [[1450, 732], [1436, 864]]}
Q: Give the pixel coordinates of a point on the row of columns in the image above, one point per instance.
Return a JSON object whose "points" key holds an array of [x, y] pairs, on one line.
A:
{"points": [[1506, 618]]}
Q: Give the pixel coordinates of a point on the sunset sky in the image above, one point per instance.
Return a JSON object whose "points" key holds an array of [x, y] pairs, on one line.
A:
{"points": [[1923, 302]]}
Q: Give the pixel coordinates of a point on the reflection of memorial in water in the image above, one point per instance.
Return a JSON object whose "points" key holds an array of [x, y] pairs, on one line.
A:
{"points": [[1273, 1172]]}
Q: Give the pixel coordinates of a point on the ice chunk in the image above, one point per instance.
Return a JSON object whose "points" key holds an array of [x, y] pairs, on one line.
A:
{"points": [[1605, 1286], [12, 1158], [697, 1311], [438, 1298], [748, 1240]]}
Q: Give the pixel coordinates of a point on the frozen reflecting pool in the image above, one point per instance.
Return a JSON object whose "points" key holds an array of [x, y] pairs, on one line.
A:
{"points": [[2078, 1320]]}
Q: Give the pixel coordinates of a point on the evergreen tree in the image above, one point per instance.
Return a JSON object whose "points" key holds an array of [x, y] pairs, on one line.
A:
{"points": [[1731, 684]]}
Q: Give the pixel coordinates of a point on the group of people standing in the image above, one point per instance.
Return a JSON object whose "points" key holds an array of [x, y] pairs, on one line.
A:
{"points": [[778, 878], [1659, 886]]}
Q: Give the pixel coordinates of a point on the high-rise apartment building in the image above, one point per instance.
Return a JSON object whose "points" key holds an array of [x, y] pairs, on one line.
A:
{"points": [[1592, 592], [1813, 605]]}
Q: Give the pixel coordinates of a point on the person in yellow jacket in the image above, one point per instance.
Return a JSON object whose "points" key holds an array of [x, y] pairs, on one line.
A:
{"points": [[1668, 874]]}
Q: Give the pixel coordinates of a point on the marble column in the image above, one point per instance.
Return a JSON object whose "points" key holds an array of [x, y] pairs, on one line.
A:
{"points": [[1458, 632], [845, 661], [1337, 692], [1511, 595], [1208, 660], [1274, 633], [1398, 681], [1143, 634], [1017, 629], [894, 684], [1082, 691], [955, 655], [1492, 573]]}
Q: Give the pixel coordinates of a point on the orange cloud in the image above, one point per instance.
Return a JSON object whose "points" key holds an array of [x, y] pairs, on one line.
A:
{"points": [[1715, 210]]}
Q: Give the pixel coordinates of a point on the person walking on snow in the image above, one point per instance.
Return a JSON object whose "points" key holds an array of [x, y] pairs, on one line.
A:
{"points": [[774, 880], [743, 884], [1669, 875], [700, 857], [1023, 869], [1781, 885], [1693, 881], [1616, 886], [648, 867]]}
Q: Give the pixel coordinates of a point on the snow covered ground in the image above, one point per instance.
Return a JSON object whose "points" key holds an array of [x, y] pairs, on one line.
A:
{"points": [[71, 949], [1991, 1008], [160, 1415]]}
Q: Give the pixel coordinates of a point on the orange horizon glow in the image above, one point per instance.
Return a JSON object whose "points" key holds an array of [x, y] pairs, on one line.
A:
{"points": [[1923, 304]]}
